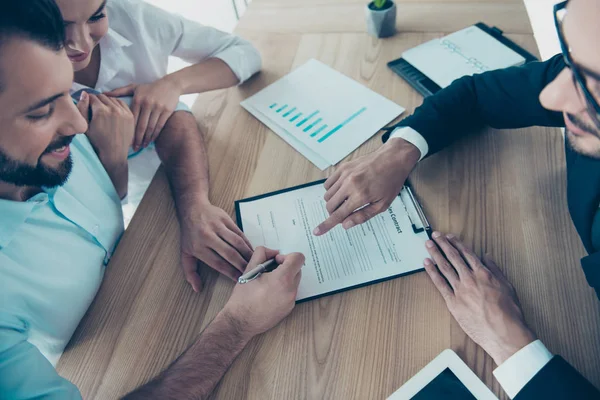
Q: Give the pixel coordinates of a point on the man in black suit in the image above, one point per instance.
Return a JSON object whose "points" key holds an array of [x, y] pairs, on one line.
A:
{"points": [[564, 91]]}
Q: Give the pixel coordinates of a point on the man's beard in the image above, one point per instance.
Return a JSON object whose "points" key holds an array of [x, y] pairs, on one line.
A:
{"points": [[578, 143], [21, 174]]}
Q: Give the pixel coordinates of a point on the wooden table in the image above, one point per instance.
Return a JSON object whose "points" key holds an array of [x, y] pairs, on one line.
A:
{"points": [[503, 192]]}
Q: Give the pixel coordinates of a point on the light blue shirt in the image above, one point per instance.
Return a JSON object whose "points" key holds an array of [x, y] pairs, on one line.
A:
{"points": [[53, 252]]}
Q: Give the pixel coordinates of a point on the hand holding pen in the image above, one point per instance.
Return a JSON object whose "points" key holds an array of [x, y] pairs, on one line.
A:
{"points": [[260, 305]]}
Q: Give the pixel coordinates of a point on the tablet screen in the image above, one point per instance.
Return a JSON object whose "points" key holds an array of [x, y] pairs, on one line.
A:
{"points": [[445, 386]]}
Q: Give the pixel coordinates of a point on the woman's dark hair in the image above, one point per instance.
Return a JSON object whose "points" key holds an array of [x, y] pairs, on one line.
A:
{"points": [[36, 20]]}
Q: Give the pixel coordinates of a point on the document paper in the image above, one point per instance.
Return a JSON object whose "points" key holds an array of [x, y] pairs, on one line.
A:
{"points": [[464, 53], [321, 113], [383, 248]]}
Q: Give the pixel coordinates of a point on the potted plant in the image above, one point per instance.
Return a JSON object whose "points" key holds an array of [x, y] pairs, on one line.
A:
{"points": [[381, 18]]}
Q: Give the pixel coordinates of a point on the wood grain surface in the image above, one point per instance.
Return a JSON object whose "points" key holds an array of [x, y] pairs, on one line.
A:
{"points": [[501, 191]]}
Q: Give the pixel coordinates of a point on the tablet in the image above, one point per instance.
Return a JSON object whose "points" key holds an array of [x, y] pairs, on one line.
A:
{"points": [[446, 377]]}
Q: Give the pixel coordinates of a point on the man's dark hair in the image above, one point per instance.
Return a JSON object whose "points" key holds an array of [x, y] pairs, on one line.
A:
{"points": [[36, 20]]}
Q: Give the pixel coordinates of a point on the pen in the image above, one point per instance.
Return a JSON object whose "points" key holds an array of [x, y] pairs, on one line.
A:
{"points": [[267, 266]]}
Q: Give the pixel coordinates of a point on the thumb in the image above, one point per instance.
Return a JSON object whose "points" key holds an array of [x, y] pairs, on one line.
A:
{"points": [[83, 105], [128, 90], [289, 268], [190, 270]]}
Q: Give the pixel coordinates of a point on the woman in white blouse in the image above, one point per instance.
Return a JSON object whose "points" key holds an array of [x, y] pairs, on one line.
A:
{"points": [[121, 49]]}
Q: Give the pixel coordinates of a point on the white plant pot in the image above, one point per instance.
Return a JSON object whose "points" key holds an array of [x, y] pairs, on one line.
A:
{"points": [[381, 23]]}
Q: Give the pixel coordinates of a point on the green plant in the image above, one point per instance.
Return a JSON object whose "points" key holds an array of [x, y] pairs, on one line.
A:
{"points": [[379, 4]]}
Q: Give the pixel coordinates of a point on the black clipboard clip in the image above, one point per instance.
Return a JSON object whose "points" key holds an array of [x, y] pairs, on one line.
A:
{"points": [[424, 225]]}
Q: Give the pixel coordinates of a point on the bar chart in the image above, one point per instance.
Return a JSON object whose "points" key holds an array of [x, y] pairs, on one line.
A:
{"points": [[312, 123]]}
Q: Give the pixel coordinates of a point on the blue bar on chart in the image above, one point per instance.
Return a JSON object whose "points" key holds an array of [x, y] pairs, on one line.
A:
{"points": [[296, 117], [273, 105], [340, 126], [280, 109], [309, 127], [289, 112], [299, 124], [321, 129]]}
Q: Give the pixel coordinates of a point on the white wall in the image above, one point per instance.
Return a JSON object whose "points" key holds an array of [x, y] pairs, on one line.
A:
{"points": [[542, 22]]}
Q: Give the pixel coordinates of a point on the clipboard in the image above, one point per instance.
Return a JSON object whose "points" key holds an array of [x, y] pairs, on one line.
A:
{"points": [[414, 212], [427, 87]]}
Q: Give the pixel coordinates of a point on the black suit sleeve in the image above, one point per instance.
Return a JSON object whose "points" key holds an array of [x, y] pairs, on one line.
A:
{"points": [[558, 380], [502, 99]]}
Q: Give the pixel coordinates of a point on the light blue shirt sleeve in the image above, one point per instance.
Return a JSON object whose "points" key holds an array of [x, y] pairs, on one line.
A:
{"points": [[24, 372]]}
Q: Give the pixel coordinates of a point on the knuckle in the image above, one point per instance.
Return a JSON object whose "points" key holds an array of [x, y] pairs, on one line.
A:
{"points": [[204, 231], [336, 217], [329, 208], [356, 179], [445, 265], [486, 275], [453, 253], [230, 255], [238, 242]]}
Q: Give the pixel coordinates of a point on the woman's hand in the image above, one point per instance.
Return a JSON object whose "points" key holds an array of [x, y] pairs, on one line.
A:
{"points": [[152, 105]]}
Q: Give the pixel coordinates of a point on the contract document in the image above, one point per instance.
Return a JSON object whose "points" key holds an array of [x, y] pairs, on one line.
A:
{"points": [[388, 246]]}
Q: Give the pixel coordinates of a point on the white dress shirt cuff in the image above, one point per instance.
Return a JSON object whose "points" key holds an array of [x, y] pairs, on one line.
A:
{"points": [[412, 136], [244, 60], [521, 367]]}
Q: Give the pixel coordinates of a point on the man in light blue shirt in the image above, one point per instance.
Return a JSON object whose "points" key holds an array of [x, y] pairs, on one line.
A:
{"points": [[61, 218]]}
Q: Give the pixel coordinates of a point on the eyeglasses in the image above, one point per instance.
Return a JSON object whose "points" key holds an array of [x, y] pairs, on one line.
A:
{"points": [[581, 76]]}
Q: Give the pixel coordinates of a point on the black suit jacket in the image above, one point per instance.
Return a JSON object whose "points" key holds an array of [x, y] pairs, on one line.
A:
{"points": [[508, 99]]}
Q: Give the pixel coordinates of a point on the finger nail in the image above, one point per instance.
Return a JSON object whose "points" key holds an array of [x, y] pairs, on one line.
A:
{"points": [[450, 236], [436, 234], [348, 224], [82, 96], [317, 231], [429, 244], [428, 262]]}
